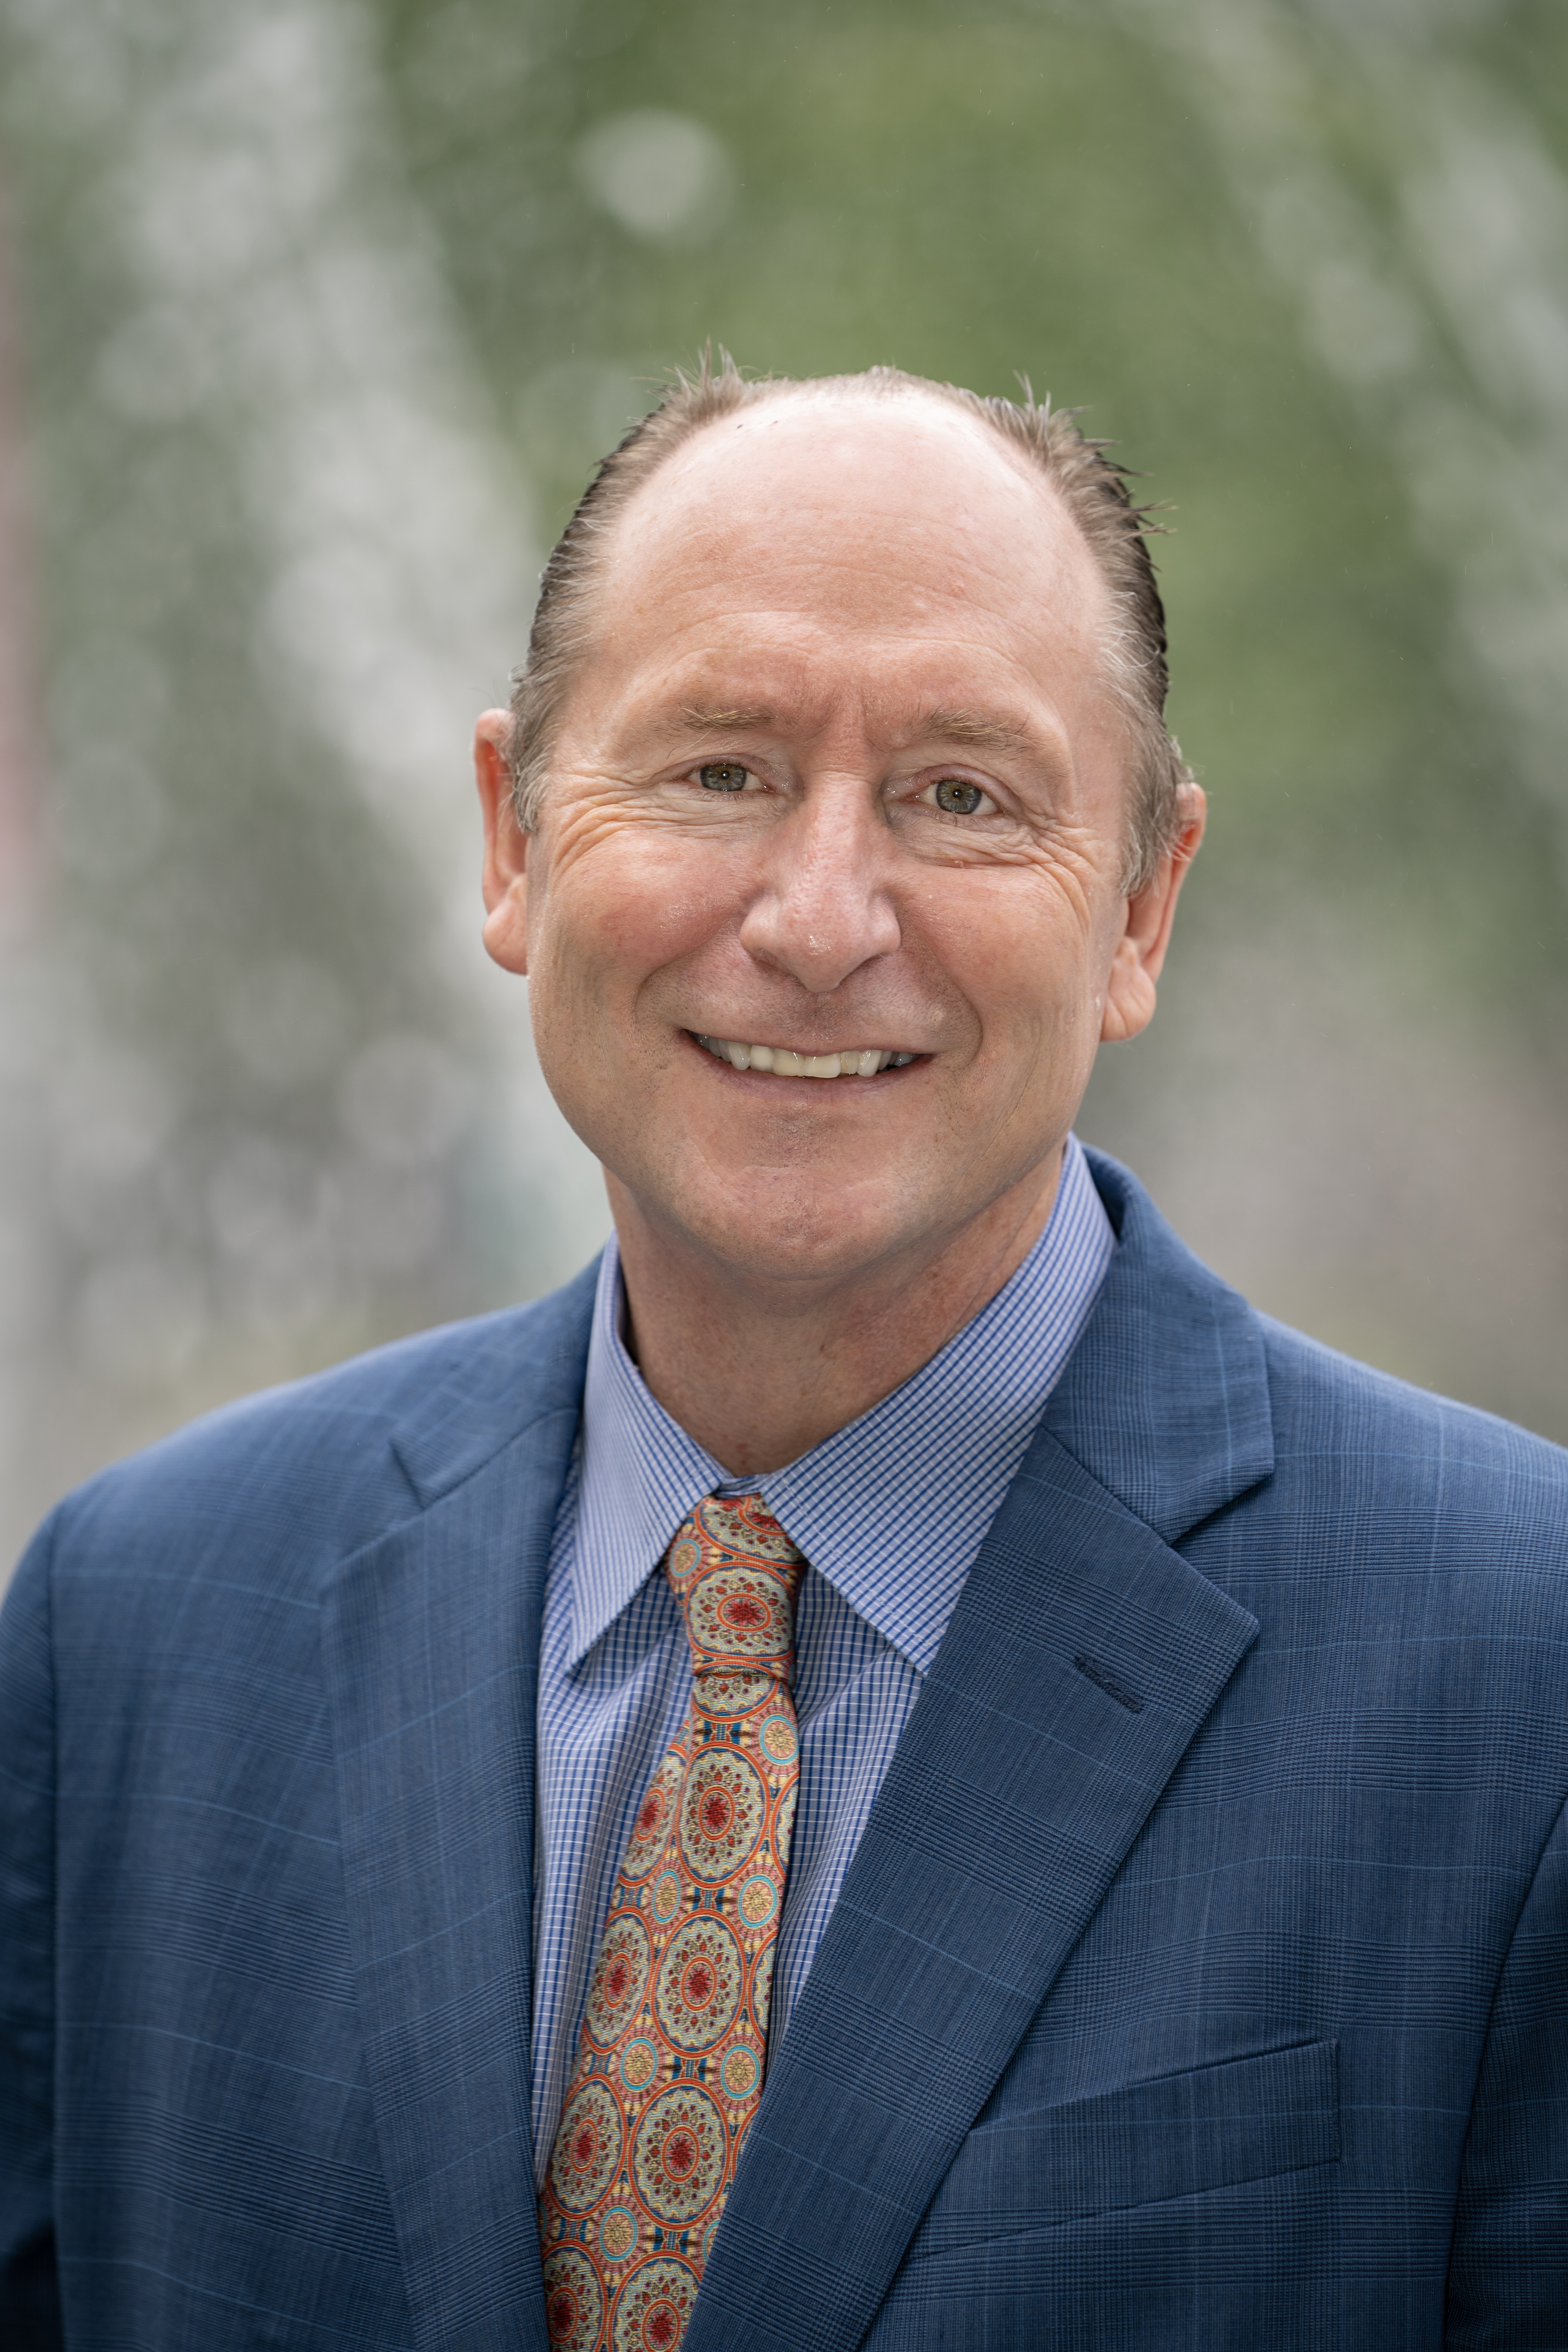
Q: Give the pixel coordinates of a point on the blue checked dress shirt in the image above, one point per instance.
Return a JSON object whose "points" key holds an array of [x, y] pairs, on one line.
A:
{"points": [[874, 1602]]}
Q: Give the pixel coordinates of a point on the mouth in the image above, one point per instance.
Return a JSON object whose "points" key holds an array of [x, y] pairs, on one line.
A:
{"points": [[781, 1062]]}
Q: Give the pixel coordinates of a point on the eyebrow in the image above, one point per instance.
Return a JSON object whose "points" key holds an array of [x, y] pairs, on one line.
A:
{"points": [[704, 722], [970, 728], [973, 729]]}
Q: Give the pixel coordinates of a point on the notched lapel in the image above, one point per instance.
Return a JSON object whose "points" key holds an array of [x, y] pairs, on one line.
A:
{"points": [[431, 1650], [1081, 1660]]}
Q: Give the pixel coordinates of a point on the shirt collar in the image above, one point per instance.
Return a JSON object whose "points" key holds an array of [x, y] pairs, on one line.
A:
{"points": [[641, 1474], [890, 1509]]}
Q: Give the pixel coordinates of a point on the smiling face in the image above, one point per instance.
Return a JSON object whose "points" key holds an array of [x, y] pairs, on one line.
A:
{"points": [[840, 781]]}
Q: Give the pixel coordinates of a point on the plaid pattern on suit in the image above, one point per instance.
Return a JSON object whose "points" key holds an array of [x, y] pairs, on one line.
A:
{"points": [[1199, 1981]]}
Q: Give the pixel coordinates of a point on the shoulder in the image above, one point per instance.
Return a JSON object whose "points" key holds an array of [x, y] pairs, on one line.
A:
{"points": [[1392, 1449], [1195, 1401], [276, 1483]]}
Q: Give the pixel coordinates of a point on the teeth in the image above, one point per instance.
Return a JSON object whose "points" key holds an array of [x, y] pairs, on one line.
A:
{"points": [[861, 1061]]}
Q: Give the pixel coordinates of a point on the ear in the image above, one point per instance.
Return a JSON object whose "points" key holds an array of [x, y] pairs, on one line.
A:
{"points": [[1141, 952], [505, 878]]}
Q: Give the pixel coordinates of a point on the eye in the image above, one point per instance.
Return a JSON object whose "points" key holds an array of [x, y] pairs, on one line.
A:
{"points": [[955, 795], [723, 776]]}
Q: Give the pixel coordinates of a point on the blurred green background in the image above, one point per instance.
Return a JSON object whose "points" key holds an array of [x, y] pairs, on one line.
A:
{"points": [[316, 316]]}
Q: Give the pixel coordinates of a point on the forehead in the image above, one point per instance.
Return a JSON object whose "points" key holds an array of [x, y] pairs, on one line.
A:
{"points": [[894, 535]]}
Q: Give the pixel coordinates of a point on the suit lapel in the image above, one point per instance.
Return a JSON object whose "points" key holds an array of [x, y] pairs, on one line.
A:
{"points": [[431, 1646], [1081, 1660]]}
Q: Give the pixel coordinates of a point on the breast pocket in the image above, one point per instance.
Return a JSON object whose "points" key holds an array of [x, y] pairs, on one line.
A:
{"points": [[1212, 2127]]}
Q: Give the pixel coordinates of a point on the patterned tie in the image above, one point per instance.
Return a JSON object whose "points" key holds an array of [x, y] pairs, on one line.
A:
{"points": [[674, 2037]]}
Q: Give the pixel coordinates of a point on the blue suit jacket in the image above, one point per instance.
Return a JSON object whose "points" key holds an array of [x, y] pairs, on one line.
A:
{"points": [[1199, 1981]]}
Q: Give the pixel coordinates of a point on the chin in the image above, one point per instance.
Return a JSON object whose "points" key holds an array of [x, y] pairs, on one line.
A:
{"points": [[795, 1239]]}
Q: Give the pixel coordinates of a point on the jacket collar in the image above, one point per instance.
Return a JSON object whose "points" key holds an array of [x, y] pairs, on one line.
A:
{"points": [[491, 1380], [1166, 1399]]}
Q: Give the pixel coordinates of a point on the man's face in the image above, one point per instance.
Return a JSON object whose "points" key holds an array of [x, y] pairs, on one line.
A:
{"points": [[840, 778]]}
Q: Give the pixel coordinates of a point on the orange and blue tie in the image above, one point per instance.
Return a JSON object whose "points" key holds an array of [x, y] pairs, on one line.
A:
{"points": [[674, 2038]]}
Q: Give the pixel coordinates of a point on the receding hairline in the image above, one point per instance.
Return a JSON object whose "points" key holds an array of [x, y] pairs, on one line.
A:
{"points": [[849, 392]]}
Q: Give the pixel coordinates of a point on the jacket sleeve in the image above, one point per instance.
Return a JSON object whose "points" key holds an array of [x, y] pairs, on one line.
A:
{"points": [[29, 2302], [1508, 2274]]}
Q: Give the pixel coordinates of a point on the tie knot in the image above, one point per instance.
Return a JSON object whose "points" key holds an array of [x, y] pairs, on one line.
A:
{"points": [[735, 1574]]}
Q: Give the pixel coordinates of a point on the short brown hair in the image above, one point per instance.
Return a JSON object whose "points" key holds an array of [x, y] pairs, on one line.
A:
{"points": [[1092, 484]]}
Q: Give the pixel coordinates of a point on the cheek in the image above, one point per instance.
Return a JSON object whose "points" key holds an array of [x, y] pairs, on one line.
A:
{"points": [[620, 905], [1030, 967]]}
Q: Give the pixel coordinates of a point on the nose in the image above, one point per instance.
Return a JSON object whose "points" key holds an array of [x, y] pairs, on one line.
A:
{"points": [[824, 909]]}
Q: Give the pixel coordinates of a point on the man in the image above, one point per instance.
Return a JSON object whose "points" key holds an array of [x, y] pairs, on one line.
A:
{"points": [[401, 1772]]}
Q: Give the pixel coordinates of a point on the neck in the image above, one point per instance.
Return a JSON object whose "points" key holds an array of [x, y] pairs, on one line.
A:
{"points": [[759, 1372]]}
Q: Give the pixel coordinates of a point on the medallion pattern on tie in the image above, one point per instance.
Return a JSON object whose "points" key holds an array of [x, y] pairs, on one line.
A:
{"points": [[674, 2038]]}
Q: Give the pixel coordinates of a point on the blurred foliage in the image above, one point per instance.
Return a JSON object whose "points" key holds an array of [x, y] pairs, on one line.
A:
{"points": [[327, 310]]}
